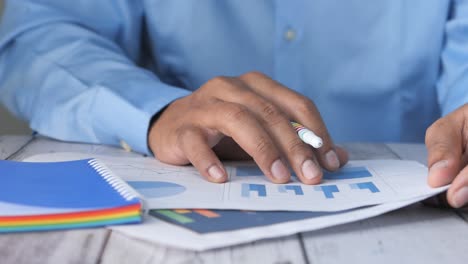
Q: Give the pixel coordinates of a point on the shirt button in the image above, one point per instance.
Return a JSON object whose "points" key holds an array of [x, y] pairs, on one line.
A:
{"points": [[290, 34], [125, 146]]}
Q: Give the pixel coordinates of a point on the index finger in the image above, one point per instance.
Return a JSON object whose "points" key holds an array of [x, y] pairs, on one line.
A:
{"points": [[237, 122]]}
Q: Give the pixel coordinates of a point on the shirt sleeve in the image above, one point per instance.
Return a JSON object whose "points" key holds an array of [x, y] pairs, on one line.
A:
{"points": [[70, 70], [452, 87]]}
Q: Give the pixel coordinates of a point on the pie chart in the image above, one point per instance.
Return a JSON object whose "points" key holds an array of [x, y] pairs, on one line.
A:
{"points": [[157, 189]]}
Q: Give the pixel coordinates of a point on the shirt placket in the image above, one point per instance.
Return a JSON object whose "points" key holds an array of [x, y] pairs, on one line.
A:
{"points": [[289, 31]]}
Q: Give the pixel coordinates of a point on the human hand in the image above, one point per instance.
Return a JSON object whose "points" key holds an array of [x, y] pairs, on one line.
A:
{"points": [[244, 116], [447, 145]]}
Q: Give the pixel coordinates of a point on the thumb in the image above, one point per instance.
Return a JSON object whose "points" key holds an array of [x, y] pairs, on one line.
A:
{"points": [[444, 146]]}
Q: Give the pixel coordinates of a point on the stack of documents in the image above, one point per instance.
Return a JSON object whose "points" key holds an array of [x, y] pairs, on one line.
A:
{"points": [[189, 212]]}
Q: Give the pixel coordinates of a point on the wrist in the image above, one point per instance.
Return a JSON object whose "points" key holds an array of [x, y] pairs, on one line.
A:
{"points": [[151, 125]]}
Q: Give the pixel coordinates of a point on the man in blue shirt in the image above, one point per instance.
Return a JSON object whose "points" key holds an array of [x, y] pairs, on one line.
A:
{"points": [[150, 73]]}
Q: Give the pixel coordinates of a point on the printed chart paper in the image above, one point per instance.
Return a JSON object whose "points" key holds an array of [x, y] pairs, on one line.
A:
{"points": [[204, 230], [358, 184]]}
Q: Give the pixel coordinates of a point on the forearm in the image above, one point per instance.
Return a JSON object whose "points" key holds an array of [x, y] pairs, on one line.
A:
{"points": [[73, 84]]}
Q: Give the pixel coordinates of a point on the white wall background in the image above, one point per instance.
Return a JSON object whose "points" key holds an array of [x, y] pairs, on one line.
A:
{"points": [[8, 123]]}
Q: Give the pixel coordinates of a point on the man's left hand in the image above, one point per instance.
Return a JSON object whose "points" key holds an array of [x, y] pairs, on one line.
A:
{"points": [[447, 145]]}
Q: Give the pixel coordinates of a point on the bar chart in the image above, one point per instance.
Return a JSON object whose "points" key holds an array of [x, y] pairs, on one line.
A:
{"points": [[157, 189], [249, 189], [209, 221]]}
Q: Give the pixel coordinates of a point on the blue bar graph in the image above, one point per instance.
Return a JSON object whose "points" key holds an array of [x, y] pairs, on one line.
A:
{"points": [[327, 190], [297, 189], [347, 173], [365, 185], [247, 188]]}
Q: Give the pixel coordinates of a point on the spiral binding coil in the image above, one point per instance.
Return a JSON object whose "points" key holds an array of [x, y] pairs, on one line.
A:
{"points": [[115, 182]]}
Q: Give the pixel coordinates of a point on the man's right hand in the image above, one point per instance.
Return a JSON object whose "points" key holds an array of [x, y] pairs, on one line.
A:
{"points": [[250, 115]]}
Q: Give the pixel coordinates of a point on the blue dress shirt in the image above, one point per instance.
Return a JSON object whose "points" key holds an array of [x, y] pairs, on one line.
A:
{"points": [[97, 71]]}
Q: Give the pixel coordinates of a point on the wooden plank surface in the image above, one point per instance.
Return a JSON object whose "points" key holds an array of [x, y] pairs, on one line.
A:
{"points": [[122, 249], [362, 151], [417, 152], [45, 145], [463, 213], [416, 234], [72, 246], [11, 144]]}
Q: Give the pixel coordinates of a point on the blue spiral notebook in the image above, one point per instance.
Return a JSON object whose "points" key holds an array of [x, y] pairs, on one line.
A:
{"points": [[59, 195]]}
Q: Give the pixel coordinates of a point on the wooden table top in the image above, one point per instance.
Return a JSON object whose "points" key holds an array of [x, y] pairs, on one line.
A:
{"points": [[415, 234]]}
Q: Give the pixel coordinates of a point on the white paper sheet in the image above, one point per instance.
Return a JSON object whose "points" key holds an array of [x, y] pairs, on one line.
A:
{"points": [[360, 183]]}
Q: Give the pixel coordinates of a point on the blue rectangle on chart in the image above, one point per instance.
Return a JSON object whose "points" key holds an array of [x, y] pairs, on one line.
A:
{"points": [[327, 190], [297, 189], [347, 173], [365, 185], [247, 188], [252, 171], [246, 171]]}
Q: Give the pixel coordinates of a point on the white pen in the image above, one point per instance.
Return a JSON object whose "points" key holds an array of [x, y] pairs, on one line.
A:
{"points": [[307, 135]]}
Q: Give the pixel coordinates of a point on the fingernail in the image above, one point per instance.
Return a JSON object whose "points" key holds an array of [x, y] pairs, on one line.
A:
{"points": [[332, 159], [310, 170], [436, 167], [461, 197], [216, 172], [279, 170]]}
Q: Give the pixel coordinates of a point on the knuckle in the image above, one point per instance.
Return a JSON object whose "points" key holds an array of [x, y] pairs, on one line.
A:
{"points": [[253, 75], [464, 107], [437, 149], [271, 114], [263, 145], [297, 146], [218, 81], [236, 113], [305, 106]]}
